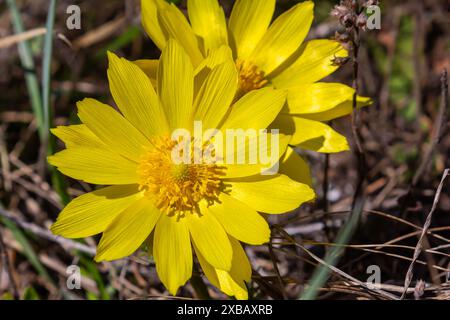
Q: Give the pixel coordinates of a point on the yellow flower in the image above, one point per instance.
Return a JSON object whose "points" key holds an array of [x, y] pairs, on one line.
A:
{"points": [[208, 207], [265, 54]]}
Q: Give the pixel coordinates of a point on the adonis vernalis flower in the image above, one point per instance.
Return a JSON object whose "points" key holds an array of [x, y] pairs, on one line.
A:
{"points": [[266, 54], [179, 208]]}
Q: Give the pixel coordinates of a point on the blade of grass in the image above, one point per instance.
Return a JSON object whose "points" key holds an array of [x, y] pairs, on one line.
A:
{"points": [[26, 59], [46, 66], [322, 273], [58, 181], [41, 108]]}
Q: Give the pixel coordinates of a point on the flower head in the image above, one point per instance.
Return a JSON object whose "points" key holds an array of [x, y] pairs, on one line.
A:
{"points": [[266, 53], [202, 205]]}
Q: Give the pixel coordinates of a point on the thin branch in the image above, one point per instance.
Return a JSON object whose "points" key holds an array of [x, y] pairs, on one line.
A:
{"points": [[6, 266], [46, 234], [418, 249]]}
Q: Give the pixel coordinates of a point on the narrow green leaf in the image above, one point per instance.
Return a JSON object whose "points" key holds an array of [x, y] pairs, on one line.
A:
{"points": [[27, 62], [322, 272], [58, 181], [46, 66]]}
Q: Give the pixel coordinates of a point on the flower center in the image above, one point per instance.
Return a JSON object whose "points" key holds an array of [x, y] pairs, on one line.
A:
{"points": [[177, 188], [250, 77]]}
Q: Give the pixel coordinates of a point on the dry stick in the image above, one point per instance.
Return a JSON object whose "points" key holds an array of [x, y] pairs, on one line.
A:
{"points": [[368, 286], [358, 198], [389, 287], [5, 267], [355, 115], [44, 233], [101, 33], [24, 36], [4, 163], [326, 176], [418, 249], [325, 182], [123, 273], [440, 125], [405, 222], [275, 267]]}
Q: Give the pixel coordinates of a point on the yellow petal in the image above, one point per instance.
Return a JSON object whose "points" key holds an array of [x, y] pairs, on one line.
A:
{"points": [[95, 165], [91, 213], [316, 97], [295, 167], [133, 92], [342, 109], [208, 21], [271, 194], [254, 158], [210, 239], [208, 269], [77, 135], [176, 26], [151, 23], [240, 221], [256, 110], [310, 134], [249, 21], [283, 37], [150, 68], [231, 283], [128, 231], [216, 95], [241, 272], [112, 129], [176, 85], [172, 252], [313, 64], [215, 58]]}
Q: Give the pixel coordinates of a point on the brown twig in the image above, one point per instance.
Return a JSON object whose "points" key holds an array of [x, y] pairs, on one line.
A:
{"points": [[275, 267], [370, 287], [46, 234], [418, 249], [6, 266], [24, 36], [326, 168], [4, 163], [101, 33]]}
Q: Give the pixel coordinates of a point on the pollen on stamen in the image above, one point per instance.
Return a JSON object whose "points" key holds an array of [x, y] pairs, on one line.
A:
{"points": [[178, 188], [250, 76]]}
